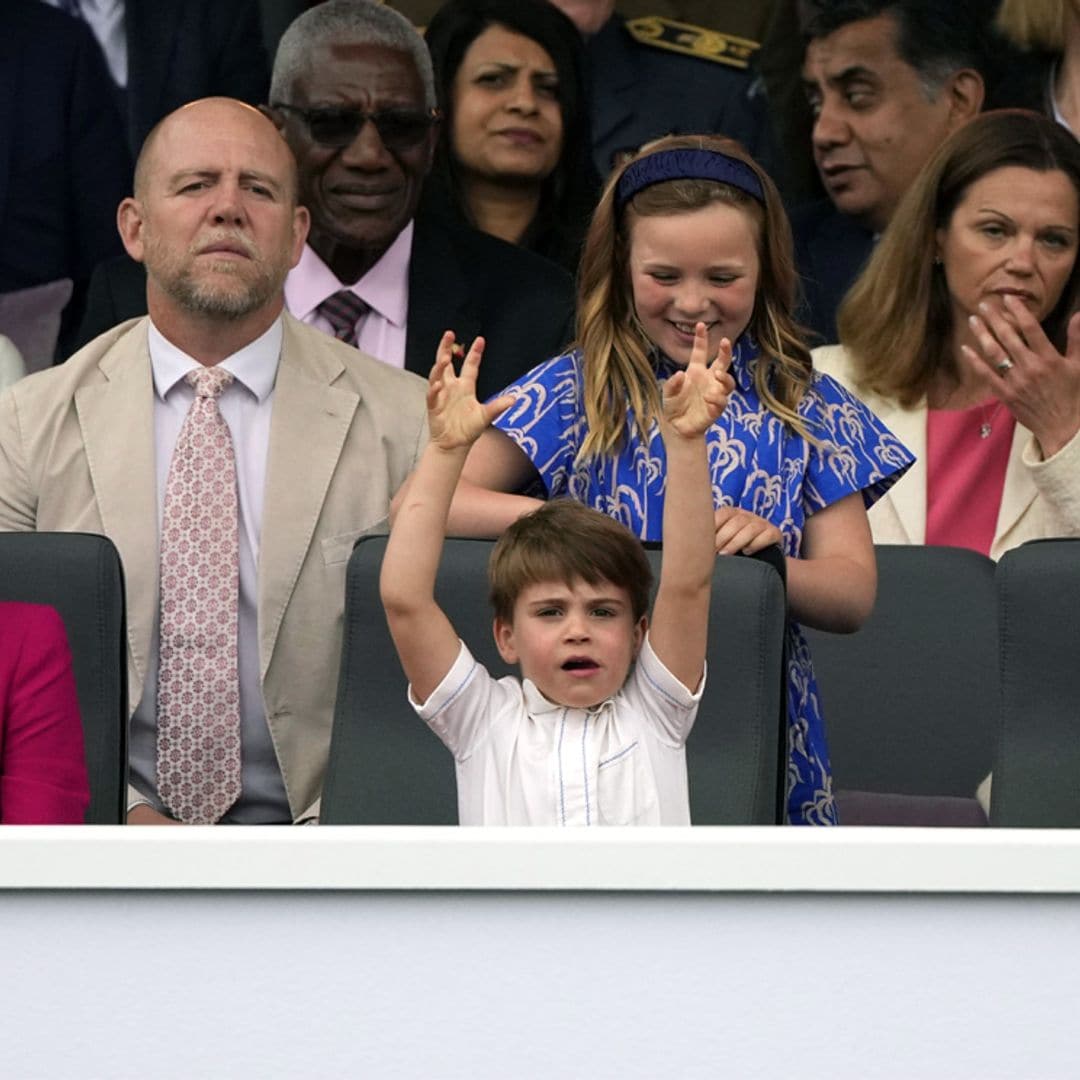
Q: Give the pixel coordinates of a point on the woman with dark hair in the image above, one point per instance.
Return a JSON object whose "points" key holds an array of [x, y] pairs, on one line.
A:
{"points": [[961, 335], [513, 158]]}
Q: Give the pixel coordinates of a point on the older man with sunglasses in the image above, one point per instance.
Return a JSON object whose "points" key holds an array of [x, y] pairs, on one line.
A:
{"points": [[353, 94]]}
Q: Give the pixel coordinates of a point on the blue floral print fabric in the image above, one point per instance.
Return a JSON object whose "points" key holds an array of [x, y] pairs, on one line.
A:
{"points": [[757, 464]]}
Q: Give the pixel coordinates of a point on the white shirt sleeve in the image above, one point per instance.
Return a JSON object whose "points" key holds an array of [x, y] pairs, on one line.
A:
{"points": [[462, 708], [668, 705]]}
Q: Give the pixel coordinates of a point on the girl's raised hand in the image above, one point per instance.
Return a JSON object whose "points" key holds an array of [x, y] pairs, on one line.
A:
{"points": [[455, 417], [696, 396]]}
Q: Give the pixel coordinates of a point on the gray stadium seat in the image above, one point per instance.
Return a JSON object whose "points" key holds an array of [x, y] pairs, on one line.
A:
{"points": [[387, 768], [910, 700], [80, 575], [1037, 766]]}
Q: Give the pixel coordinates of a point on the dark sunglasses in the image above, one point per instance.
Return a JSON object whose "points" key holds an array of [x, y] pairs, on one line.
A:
{"points": [[399, 129]]}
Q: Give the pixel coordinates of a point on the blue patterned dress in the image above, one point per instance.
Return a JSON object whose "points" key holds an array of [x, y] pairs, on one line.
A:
{"points": [[757, 464]]}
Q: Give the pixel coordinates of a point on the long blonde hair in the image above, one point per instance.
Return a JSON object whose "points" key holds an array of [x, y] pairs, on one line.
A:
{"points": [[896, 321], [617, 370]]}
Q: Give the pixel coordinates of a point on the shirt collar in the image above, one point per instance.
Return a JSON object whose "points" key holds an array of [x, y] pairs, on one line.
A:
{"points": [[538, 705], [254, 366], [384, 288]]}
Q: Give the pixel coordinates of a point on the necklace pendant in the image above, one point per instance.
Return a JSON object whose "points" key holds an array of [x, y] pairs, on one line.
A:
{"points": [[984, 430]]}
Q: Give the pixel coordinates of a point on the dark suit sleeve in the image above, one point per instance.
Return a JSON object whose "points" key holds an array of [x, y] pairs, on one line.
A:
{"points": [[43, 767], [242, 69], [117, 292], [98, 166]]}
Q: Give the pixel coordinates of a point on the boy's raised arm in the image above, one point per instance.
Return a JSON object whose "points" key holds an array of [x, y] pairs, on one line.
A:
{"points": [[426, 642], [693, 399]]}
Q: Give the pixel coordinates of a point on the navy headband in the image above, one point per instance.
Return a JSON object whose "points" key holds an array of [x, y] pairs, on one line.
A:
{"points": [[686, 165]]}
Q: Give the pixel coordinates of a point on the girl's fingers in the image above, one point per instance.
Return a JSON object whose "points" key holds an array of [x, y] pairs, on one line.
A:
{"points": [[700, 351], [722, 360], [497, 406], [471, 362]]}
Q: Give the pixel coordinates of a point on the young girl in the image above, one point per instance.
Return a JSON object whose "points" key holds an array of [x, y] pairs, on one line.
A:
{"points": [[692, 230]]}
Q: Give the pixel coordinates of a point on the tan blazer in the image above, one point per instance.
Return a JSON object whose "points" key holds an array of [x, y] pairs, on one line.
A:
{"points": [[1040, 499], [77, 455], [11, 363]]}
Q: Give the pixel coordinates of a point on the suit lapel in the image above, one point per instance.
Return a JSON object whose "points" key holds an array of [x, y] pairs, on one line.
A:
{"points": [[116, 418], [1019, 491], [308, 427], [908, 496], [438, 297]]}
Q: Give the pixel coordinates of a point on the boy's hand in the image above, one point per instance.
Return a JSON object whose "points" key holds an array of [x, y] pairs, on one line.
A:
{"points": [[455, 417], [696, 396]]}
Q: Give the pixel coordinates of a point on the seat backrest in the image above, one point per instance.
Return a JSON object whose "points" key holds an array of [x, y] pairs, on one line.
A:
{"points": [[910, 700], [1037, 765], [80, 575], [386, 767]]}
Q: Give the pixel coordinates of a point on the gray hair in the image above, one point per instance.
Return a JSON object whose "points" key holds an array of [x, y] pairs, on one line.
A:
{"points": [[367, 21]]}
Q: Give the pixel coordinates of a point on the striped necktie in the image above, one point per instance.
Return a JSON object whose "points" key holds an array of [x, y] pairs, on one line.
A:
{"points": [[343, 311]]}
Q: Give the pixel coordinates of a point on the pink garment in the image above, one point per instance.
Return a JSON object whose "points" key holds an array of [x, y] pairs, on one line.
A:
{"points": [[965, 473], [42, 766], [384, 288]]}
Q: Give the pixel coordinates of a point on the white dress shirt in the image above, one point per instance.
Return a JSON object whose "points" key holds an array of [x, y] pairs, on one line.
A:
{"points": [[106, 20], [524, 760], [384, 288], [246, 407]]}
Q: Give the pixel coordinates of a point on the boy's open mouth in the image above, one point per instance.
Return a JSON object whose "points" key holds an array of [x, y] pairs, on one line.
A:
{"points": [[580, 663]]}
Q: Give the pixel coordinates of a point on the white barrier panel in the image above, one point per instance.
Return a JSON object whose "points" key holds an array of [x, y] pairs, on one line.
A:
{"points": [[503, 953]]}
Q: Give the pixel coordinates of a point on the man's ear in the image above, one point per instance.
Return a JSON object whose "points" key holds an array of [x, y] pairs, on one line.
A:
{"points": [[966, 91], [503, 630], [301, 228], [129, 222]]}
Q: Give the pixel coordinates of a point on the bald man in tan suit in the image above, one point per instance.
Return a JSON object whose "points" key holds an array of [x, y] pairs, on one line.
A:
{"points": [[325, 436]]}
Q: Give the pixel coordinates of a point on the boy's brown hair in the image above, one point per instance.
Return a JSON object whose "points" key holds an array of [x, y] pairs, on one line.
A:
{"points": [[564, 540]]}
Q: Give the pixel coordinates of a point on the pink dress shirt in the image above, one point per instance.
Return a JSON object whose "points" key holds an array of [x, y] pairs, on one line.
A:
{"points": [[42, 766], [384, 288]]}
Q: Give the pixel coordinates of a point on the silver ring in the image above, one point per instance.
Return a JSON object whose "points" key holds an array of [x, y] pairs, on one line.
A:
{"points": [[1005, 366]]}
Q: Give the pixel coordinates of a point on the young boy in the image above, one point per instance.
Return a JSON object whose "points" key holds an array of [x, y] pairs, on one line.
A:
{"points": [[595, 733]]}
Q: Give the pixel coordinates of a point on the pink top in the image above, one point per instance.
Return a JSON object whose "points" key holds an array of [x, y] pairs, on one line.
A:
{"points": [[384, 288], [42, 767], [967, 453]]}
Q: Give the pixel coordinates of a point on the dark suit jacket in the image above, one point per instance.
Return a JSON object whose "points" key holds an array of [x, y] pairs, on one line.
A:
{"points": [[640, 92], [181, 50], [831, 250], [64, 166], [459, 279]]}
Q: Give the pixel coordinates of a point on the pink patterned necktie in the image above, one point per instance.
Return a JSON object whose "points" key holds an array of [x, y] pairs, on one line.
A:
{"points": [[198, 704], [343, 311]]}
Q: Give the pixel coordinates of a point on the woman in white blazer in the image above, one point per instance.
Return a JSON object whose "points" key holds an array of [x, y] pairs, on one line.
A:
{"points": [[962, 335]]}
